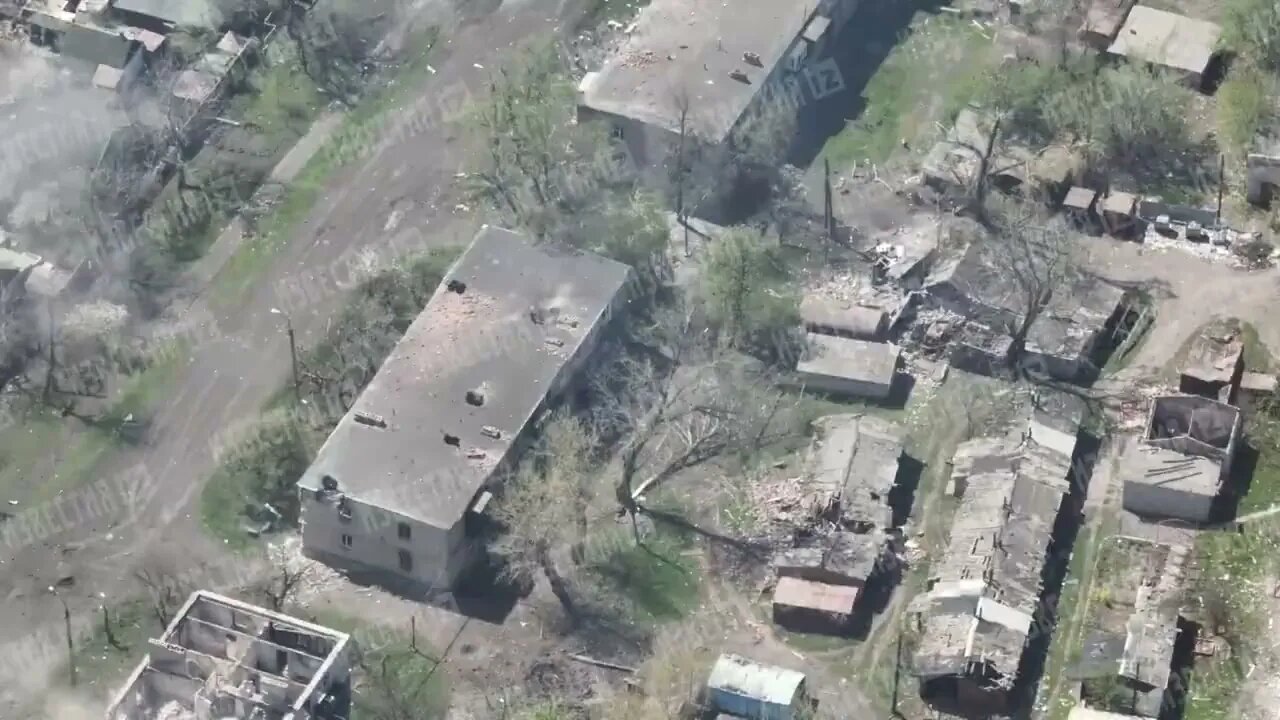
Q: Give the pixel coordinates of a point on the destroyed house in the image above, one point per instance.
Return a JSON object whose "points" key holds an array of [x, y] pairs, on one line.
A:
{"points": [[222, 658], [1129, 639], [1182, 463], [1067, 335], [721, 61], [850, 474], [985, 592], [400, 485], [87, 30], [851, 470], [1214, 362]]}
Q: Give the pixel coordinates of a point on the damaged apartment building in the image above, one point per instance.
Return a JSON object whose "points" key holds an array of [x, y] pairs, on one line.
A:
{"points": [[983, 305], [985, 593], [222, 659], [400, 486], [707, 66], [850, 481]]}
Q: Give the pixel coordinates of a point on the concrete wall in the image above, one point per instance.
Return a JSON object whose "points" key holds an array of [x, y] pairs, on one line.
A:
{"points": [[438, 555], [843, 386], [1163, 501]]}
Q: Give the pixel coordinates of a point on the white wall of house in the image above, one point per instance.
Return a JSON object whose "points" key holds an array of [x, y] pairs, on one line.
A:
{"points": [[374, 539]]}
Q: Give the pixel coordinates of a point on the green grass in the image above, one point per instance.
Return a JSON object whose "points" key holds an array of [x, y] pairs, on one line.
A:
{"points": [[1077, 588], [360, 130], [414, 679], [1246, 102], [1257, 358], [928, 78], [75, 450], [599, 12], [103, 667], [1235, 566], [657, 582]]}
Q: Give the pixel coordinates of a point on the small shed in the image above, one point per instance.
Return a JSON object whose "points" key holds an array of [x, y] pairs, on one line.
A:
{"points": [[1102, 22], [831, 317], [1181, 44], [843, 366], [1119, 213], [810, 606], [747, 689]]}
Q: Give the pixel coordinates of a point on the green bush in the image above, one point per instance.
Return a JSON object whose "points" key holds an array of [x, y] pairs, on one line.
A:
{"points": [[1245, 101]]}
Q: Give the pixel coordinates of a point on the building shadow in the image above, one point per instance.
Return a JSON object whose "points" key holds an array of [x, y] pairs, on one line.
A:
{"points": [[1227, 504], [858, 51], [902, 496]]}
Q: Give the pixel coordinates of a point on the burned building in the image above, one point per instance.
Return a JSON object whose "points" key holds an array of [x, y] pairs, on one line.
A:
{"points": [[1066, 337], [1214, 362], [850, 476], [1129, 642], [400, 486], [985, 592], [225, 659], [1182, 463]]}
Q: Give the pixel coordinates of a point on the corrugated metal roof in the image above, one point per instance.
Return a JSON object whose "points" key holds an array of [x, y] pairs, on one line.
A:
{"points": [[737, 675], [800, 593]]}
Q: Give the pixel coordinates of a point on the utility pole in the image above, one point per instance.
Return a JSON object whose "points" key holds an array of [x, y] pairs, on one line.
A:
{"points": [[1222, 180], [293, 356], [293, 353], [71, 647], [828, 209]]}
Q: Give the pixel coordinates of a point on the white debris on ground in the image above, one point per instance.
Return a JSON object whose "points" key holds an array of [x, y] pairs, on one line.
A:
{"points": [[93, 320], [316, 577], [172, 710]]}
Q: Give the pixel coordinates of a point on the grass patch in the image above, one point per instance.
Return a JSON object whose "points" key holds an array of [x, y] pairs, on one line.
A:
{"points": [[658, 581], [599, 12], [99, 664], [928, 78], [1235, 569], [1072, 611], [392, 677], [360, 130], [72, 450], [1246, 101], [1257, 358]]}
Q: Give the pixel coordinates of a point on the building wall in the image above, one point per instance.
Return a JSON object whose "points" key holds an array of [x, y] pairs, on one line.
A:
{"points": [[1162, 501], [437, 555], [844, 386]]}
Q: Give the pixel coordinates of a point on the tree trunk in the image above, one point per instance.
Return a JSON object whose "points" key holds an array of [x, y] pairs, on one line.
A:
{"points": [[559, 585]]}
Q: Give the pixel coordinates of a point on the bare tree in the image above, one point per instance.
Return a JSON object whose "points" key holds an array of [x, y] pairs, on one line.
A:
{"points": [[544, 508]]}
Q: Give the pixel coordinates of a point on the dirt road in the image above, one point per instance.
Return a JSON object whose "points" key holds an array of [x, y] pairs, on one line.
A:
{"points": [[405, 182]]}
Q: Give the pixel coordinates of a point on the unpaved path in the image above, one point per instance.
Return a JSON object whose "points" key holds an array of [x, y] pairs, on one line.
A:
{"points": [[405, 182]]}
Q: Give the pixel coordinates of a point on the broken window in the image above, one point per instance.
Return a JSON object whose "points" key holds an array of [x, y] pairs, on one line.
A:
{"points": [[403, 531], [346, 541], [406, 561]]}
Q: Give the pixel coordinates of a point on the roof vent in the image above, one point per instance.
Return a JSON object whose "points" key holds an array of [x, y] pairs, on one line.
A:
{"points": [[370, 419], [491, 432], [740, 76], [456, 286], [752, 59], [475, 397]]}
